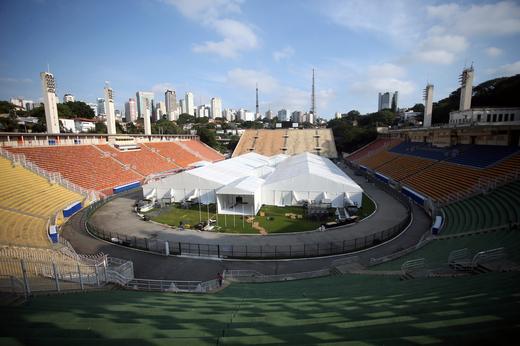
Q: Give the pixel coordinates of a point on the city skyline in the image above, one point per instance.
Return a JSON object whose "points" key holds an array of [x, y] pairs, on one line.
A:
{"points": [[223, 48]]}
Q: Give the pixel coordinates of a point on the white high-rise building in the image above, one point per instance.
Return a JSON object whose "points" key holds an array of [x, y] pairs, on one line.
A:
{"points": [[29, 104], [130, 111], [160, 110], [216, 107], [269, 114], [228, 114], [68, 98], [142, 96], [147, 111], [50, 102], [428, 105], [337, 115], [170, 100], [110, 110], [466, 88], [190, 106], [182, 106], [101, 107]]}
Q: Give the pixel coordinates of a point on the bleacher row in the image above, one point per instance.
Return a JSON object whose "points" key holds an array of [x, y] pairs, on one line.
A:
{"points": [[287, 141], [102, 167], [439, 173], [27, 201]]}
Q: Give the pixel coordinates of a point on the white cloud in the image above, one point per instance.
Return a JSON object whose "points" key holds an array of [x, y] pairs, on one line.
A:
{"points": [[236, 35], [383, 77], [244, 78], [493, 51], [441, 49], [285, 53], [500, 18], [506, 70], [397, 19]]}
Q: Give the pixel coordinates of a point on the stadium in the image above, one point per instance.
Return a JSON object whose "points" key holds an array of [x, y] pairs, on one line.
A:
{"points": [[435, 261]]}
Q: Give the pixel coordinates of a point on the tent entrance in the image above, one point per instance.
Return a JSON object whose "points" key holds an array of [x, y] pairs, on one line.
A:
{"points": [[236, 204]]}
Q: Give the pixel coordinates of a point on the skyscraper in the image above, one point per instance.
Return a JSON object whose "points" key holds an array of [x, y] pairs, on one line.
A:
{"points": [[142, 96], [160, 110], [170, 99], [49, 102], [190, 107], [384, 101], [216, 107], [110, 110], [395, 101], [182, 106], [282, 115], [130, 111], [100, 107]]}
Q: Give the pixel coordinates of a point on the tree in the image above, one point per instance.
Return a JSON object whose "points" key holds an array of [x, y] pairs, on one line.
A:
{"points": [[100, 128], [64, 111], [207, 137], [80, 109], [164, 126], [418, 107], [185, 118], [353, 113]]}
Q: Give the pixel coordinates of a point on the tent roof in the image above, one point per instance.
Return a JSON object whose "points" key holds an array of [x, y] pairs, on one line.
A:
{"points": [[227, 171], [310, 164], [242, 186]]}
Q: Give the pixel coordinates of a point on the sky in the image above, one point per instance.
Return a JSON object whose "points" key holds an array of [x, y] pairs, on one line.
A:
{"points": [[223, 48]]}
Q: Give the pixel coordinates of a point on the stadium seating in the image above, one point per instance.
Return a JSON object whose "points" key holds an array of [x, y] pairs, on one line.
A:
{"points": [[84, 165], [349, 309], [404, 166], [373, 161], [483, 211], [372, 148], [27, 201], [143, 161], [482, 155], [174, 152], [294, 141], [202, 150], [424, 150]]}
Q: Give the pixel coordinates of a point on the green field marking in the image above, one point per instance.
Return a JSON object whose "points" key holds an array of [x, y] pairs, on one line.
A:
{"points": [[456, 322], [422, 339]]}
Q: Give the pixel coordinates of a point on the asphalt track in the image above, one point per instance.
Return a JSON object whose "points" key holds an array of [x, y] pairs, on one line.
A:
{"points": [[117, 216]]}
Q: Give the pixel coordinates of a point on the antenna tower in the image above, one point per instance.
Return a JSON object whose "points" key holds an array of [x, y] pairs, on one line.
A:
{"points": [[313, 96]]}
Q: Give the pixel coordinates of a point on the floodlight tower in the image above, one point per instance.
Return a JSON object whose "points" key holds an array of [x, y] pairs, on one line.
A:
{"points": [[49, 101], [257, 115], [109, 110], [147, 125], [466, 88], [313, 97], [428, 105]]}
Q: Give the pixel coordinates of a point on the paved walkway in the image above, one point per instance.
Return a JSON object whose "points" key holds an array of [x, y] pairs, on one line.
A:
{"points": [[153, 266], [117, 216]]}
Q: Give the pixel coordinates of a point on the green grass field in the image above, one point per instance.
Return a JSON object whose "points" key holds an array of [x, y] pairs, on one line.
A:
{"points": [[346, 310], [274, 220]]}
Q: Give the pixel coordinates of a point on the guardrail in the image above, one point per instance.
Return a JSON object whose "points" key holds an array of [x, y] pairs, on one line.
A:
{"points": [[254, 276], [172, 285]]}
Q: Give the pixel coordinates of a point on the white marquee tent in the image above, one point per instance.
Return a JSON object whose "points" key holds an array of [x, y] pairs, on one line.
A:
{"points": [[242, 184]]}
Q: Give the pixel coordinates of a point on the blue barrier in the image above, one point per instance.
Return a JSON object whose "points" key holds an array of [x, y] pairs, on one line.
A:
{"points": [[413, 195], [382, 177], [53, 234], [126, 187], [363, 168], [71, 209]]}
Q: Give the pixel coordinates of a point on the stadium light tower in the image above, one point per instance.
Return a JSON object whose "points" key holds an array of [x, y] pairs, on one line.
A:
{"points": [[257, 115], [466, 88], [49, 101], [109, 110], [428, 105], [147, 125], [313, 98]]}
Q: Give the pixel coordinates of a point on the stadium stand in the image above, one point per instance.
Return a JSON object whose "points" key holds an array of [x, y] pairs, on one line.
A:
{"points": [[372, 148], [348, 309], [174, 152], [287, 141], [84, 165], [404, 166], [496, 208], [27, 201], [202, 150], [144, 161], [378, 159]]}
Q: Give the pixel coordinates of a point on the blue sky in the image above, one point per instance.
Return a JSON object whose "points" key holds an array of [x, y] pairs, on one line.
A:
{"points": [[222, 48]]}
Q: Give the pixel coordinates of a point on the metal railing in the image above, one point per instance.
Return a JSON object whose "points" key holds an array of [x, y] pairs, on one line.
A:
{"points": [[254, 276], [172, 285], [247, 251]]}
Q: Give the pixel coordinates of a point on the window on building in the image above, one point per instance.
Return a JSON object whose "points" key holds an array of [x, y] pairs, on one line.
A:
{"points": [[512, 117], [500, 117], [506, 117], [479, 116], [494, 118], [488, 118]]}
